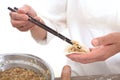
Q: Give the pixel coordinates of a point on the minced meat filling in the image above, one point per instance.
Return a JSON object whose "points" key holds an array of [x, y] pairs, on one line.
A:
{"points": [[76, 47], [20, 74]]}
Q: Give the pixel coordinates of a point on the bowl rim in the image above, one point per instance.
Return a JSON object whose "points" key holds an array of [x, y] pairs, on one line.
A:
{"points": [[34, 56]]}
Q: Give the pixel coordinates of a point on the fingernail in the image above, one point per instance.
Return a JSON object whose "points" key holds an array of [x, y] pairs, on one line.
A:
{"points": [[95, 42]]}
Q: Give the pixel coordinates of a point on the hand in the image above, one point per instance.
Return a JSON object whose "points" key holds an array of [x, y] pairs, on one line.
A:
{"points": [[104, 47], [19, 19], [66, 73]]}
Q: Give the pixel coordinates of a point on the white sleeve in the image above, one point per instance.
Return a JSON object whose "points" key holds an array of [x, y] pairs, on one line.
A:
{"points": [[53, 13]]}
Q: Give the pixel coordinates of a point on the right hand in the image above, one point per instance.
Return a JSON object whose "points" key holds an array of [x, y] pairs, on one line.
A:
{"points": [[19, 19]]}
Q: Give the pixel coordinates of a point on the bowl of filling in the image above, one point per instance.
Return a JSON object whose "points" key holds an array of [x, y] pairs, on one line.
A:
{"points": [[24, 67]]}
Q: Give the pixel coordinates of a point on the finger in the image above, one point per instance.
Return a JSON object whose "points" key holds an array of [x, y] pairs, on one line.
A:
{"points": [[88, 61], [105, 40], [22, 28], [66, 73], [84, 59], [16, 16], [17, 24], [95, 53], [24, 9], [21, 25], [26, 27]]}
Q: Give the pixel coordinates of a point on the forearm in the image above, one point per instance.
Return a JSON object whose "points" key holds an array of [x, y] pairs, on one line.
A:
{"points": [[53, 19]]}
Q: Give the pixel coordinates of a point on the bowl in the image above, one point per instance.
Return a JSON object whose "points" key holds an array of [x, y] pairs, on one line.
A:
{"points": [[26, 61]]}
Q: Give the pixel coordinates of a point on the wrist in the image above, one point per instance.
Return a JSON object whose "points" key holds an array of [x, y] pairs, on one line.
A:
{"points": [[39, 20]]}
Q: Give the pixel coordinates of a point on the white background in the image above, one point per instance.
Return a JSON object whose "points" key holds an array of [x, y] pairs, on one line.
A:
{"points": [[14, 41]]}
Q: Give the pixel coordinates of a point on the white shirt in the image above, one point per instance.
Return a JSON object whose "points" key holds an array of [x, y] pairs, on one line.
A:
{"points": [[85, 20]]}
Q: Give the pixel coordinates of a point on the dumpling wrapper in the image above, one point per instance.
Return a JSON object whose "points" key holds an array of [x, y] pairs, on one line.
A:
{"points": [[76, 48]]}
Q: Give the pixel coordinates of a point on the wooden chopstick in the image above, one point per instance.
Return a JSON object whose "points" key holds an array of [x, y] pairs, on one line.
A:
{"points": [[38, 23]]}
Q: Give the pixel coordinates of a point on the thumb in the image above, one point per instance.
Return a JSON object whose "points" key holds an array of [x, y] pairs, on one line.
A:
{"points": [[104, 40], [66, 73]]}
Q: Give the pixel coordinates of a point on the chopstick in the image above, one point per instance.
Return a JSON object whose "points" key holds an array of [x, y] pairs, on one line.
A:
{"points": [[38, 23]]}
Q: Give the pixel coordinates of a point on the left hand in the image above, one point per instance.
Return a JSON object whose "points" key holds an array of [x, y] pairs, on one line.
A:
{"points": [[104, 47]]}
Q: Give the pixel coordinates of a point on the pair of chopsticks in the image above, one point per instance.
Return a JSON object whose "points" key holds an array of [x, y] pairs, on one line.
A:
{"points": [[38, 23]]}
